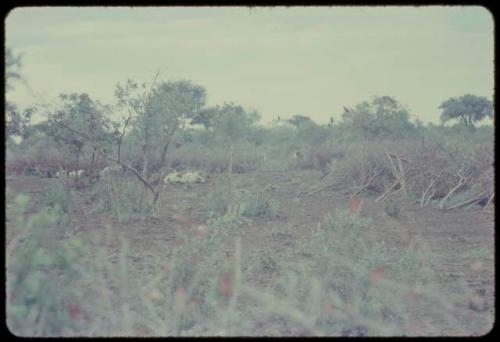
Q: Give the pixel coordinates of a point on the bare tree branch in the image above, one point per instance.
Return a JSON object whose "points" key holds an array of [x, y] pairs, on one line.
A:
{"points": [[123, 134], [73, 130], [134, 171], [460, 183]]}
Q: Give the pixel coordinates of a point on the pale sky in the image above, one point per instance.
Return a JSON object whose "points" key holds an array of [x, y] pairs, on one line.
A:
{"points": [[277, 60]]}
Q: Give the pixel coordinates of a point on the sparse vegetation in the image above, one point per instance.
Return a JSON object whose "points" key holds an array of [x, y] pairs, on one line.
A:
{"points": [[347, 285], [122, 198], [161, 216]]}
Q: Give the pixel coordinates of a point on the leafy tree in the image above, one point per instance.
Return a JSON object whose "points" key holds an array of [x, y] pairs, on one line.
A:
{"points": [[157, 113], [12, 67], [300, 121], [232, 122], [312, 133], [468, 109], [384, 116], [15, 119], [205, 117], [79, 124], [173, 106], [307, 130], [259, 135]]}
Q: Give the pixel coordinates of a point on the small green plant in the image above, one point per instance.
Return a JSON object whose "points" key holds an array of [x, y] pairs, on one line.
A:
{"points": [[41, 297], [392, 207], [232, 218], [348, 273], [260, 205], [56, 201], [54, 196], [124, 198], [224, 195]]}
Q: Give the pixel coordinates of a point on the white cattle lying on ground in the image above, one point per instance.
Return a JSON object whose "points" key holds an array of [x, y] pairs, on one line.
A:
{"points": [[111, 170], [189, 177], [73, 173]]}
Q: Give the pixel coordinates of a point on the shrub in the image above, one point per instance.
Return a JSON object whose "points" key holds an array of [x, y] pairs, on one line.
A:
{"points": [[392, 207], [55, 197], [222, 196], [215, 159], [365, 168], [227, 204], [42, 299], [259, 205], [382, 117], [349, 285], [354, 286], [123, 197]]}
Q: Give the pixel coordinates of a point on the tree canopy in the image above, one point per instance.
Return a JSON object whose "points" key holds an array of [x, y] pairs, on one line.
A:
{"points": [[468, 109], [15, 119], [232, 121], [300, 121], [383, 116]]}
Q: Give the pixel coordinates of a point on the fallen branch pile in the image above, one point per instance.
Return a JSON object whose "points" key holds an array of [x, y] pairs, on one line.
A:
{"points": [[428, 175]]}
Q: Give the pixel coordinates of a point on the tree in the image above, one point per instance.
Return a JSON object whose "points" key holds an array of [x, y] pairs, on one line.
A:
{"points": [[300, 121], [205, 117], [12, 67], [468, 109], [159, 113], [15, 119], [382, 117], [80, 124], [307, 130], [156, 113], [233, 122]]}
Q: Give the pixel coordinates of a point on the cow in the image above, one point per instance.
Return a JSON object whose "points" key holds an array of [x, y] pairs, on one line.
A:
{"points": [[72, 173], [189, 177], [111, 170]]}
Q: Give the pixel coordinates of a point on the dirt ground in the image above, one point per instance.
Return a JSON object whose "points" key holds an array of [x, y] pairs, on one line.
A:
{"points": [[449, 234]]}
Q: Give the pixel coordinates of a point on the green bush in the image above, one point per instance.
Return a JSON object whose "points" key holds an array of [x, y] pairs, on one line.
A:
{"points": [[259, 205], [382, 117], [347, 285], [55, 196], [42, 297], [226, 205], [392, 207], [352, 286], [221, 197], [124, 197]]}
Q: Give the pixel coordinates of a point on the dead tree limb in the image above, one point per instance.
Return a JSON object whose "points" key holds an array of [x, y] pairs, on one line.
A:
{"points": [[120, 138], [395, 175], [490, 199], [460, 183], [422, 199], [102, 154], [321, 188], [367, 183], [73, 130], [381, 197], [130, 168], [471, 200], [430, 197], [402, 159], [399, 175], [402, 180]]}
